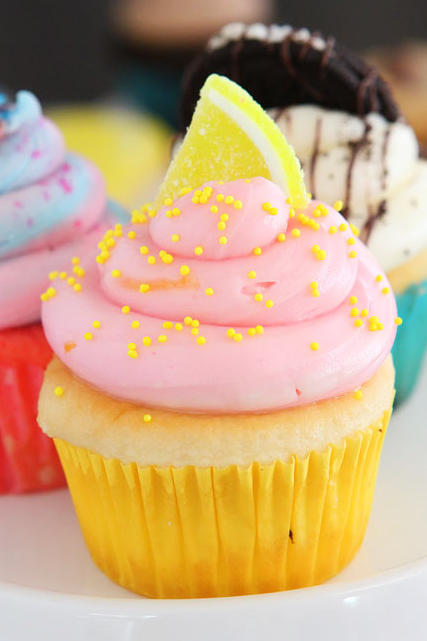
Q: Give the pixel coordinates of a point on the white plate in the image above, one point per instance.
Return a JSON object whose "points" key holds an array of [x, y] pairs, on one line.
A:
{"points": [[50, 590]]}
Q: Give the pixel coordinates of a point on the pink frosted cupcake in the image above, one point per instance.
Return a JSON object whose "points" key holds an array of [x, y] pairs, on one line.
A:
{"points": [[52, 206]]}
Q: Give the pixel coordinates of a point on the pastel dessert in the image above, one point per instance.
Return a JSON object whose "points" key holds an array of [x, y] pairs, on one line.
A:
{"points": [[354, 145], [52, 206], [222, 382]]}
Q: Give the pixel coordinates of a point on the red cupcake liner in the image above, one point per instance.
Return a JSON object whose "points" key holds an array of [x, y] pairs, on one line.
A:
{"points": [[28, 459]]}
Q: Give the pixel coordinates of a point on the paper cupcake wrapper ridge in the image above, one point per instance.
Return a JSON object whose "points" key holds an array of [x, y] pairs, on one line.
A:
{"points": [[203, 532]]}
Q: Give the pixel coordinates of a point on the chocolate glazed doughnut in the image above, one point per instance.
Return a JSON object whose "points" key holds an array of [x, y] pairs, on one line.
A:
{"points": [[283, 66]]}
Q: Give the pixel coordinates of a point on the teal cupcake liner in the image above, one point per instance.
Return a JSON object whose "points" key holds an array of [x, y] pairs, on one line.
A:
{"points": [[411, 340]]}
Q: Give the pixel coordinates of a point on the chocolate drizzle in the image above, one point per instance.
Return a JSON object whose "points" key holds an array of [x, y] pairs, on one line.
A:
{"points": [[356, 148], [381, 210], [314, 156]]}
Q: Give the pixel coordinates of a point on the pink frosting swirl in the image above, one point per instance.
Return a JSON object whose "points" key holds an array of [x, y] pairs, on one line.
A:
{"points": [[289, 309]]}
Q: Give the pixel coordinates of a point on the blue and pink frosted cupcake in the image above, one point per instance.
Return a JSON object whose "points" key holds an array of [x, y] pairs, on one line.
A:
{"points": [[52, 206]]}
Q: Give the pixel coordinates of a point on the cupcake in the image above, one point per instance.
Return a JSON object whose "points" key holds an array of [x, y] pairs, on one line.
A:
{"points": [[52, 206], [353, 144], [223, 383]]}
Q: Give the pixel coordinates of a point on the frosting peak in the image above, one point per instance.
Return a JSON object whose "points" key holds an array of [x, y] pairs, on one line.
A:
{"points": [[295, 312]]}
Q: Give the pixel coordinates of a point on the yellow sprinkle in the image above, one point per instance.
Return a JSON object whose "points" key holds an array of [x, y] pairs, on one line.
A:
{"points": [[44, 297], [364, 312], [175, 238], [273, 211], [353, 300], [358, 322], [62, 275], [59, 391], [257, 251], [237, 204], [184, 270], [144, 249], [321, 254], [135, 324], [224, 217], [379, 278], [315, 248], [51, 292], [281, 238], [176, 211], [167, 325], [116, 273], [220, 197], [259, 329], [71, 280], [144, 287], [146, 341], [231, 332], [353, 254], [358, 395], [291, 213], [374, 319], [296, 233], [266, 206], [75, 260], [221, 226], [198, 250], [53, 275], [88, 336], [314, 284], [252, 274], [132, 235], [315, 293], [195, 323], [385, 290], [398, 320], [252, 331], [269, 303], [338, 205], [342, 227], [188, 320], [373, 327], [258, 297], [77, 287], [237, 337], [201, 340], [229, 200], [209, 291], [131, 346], [162, 338], [314, 346], [355, 312], [151, 260], [178, 327], [214, 209], [110, 242], [194, 331], [332, 229], [223, 240], [351, 241], [100, 259], [168, 202], [96, 324], [288, 201], [354, 229], [147, 418], [203, 200], [168, 213], [197, 192], [380, 326], [125, 309]]}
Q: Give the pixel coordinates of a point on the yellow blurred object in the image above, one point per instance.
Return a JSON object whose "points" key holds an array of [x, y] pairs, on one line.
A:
{"points": [[232, 137], [203, 532], [131, 149]]}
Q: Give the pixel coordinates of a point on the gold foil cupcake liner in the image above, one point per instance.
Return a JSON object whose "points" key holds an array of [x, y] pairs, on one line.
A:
{"points": [[203, 532]]}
